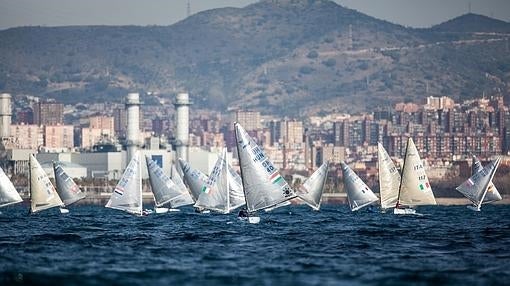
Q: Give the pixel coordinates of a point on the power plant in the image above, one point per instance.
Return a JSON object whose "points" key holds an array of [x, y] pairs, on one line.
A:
{"points": [[133, 124], [181, 141]]}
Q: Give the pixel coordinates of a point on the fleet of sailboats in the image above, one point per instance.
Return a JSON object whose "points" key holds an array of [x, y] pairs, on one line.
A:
{"points": [[359, 194], [66, 188]]}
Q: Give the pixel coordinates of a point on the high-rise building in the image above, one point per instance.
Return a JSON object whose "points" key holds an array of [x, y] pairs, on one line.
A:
{"points": [[27, 136], [249, 120], [59, 136], [48, 113]]}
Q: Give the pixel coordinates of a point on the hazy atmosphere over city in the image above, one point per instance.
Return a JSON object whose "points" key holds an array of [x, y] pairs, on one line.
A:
{"points": [[271, 142]]}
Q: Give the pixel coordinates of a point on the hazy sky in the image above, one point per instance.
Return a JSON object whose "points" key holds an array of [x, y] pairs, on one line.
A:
{"points": [[415, 13]]}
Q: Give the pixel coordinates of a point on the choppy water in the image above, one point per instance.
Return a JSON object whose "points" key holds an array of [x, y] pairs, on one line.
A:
{"points": [[94, 245]]}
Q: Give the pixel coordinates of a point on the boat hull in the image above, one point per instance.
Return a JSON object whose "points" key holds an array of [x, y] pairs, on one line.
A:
{"points": [[473, 208], [64, 211], [406, 211], [250, 219]]}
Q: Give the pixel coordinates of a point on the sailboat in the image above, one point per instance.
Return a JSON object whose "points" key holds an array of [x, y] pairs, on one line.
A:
{"points": [[263, 184], [127, 195], [67, 189], [218, 195], [43, 195], [492, 192], [313, 187], [476, 187], [414, 188], [196, 181], [8, 193], [389, 179], [165, 191], [358, 193]]}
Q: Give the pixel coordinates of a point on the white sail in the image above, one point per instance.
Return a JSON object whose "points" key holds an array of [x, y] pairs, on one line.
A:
{"points": [[164, 189], [194, 178], [176, 177], [42, 193], [8, 193], [358, 193], [313, 187], [127, 195], [476, 187], [67, 189], [236, 188], [389, 178], [493, 194], [414, 187], [263, 185]]}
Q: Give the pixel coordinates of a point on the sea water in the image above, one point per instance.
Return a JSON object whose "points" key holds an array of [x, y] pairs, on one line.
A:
{"points": [[291, 246]]}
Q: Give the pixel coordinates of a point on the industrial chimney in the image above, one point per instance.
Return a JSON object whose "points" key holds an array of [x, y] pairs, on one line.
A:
{"points": [[181, 143], [133, 124], [5, 115]]}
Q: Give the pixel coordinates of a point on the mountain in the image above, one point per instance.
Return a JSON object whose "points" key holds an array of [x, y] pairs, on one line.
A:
{"points": [[288, 56]]}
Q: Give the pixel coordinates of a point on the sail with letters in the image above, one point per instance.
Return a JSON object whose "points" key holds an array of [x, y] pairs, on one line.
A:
{"points": [[389, 179], [476, 187], [67, 189], [42, 192], [358, 193], [194, 178], [493, 194]]}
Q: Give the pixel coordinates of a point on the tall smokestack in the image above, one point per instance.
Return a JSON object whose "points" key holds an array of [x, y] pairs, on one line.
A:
{"points": [[182, 104], [133, 124], [5, 115]]}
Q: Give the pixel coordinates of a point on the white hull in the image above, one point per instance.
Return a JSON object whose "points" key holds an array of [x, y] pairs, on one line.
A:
{"points": [[174, 210], [161, 210], [398, 211], [250, 219], [473, 208], [64, 211]]}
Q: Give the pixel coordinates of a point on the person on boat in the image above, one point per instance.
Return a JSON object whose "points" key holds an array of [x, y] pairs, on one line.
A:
{"points": [[243, 213]]}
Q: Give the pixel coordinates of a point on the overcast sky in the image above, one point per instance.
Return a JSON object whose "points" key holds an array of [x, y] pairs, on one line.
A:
{"points": [[415, 13]]}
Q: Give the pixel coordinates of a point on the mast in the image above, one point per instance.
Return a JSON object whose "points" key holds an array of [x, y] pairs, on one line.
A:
{"points": [[225, 166], [239, 159], [140, 181]]}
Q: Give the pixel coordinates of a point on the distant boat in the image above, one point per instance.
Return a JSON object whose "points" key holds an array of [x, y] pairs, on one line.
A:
{"points": [[492, 192], [313, 187], [414, 188], [165, 191], [43, 195], [67, 189], [476, 187], [8, 193], [263, 185], [358, 193], [127, 195], [196, 181], [389, 179]]}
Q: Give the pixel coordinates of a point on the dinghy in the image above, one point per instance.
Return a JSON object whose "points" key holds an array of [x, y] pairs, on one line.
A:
{"points": [[43, 195], [67, 189], [389, 179], [196, 181], [8, 193], [493, 194], [476, 187], [263, 185], [359, 194], [313, 187]]}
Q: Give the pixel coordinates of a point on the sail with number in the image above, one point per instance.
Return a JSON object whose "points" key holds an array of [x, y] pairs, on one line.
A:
{"points": [[67, 189], [127, 195], [165, 191], [42, 192], [358, 193], [414, 187], [263, 184], [8, 193], [476, 187], [389, 178], [194, 178], [492, 192], [313, 187]]}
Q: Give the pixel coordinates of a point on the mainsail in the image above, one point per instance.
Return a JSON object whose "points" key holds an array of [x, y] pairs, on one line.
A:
{"points": [[236, 188], [194, 178], [263, 185], [389, 178], [414, 187], [164, 189], [311, 190], [67, 189], [358, 193], [127, 195], [176, 177], [8, 193], [476, 187], [42, 193], [492, 192]]}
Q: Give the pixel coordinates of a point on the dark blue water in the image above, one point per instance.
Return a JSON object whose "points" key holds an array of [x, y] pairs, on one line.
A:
{"points": [[94, 245]]}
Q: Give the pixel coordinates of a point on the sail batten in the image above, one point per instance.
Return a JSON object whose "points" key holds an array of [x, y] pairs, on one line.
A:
{"points": [[358, 193], [8, 193], [42, 192], [313, 187], [389, 179], [67, 189], [127, 195]]}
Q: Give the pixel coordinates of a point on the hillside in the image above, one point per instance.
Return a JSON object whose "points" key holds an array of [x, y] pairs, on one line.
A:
{"points": [[281, 56]]}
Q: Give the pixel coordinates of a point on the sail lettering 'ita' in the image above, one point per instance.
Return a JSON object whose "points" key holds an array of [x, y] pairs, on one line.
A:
{"points": [[127, 195], [389, 179], [263, 184], [42, 193], [475, 188], [67, 189], [165, 191], [414, 187], [358, 193], [8, 193], [194, 178], [313, 187], [493, 194]]}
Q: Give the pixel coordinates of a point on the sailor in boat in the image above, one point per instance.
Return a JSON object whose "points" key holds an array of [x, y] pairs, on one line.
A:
{"points": [[243, 213]]}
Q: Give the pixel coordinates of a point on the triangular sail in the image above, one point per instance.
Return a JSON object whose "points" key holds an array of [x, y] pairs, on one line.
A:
{"points": [[263, 185], [236, 188], [492, 192], [313, 187], [389, 178], [358, 193], [164, 189], [127, 195], [415, 187], [475, 188], [194, 178], [8, 193], [67, 189], [42, 193], [176, 177]]}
